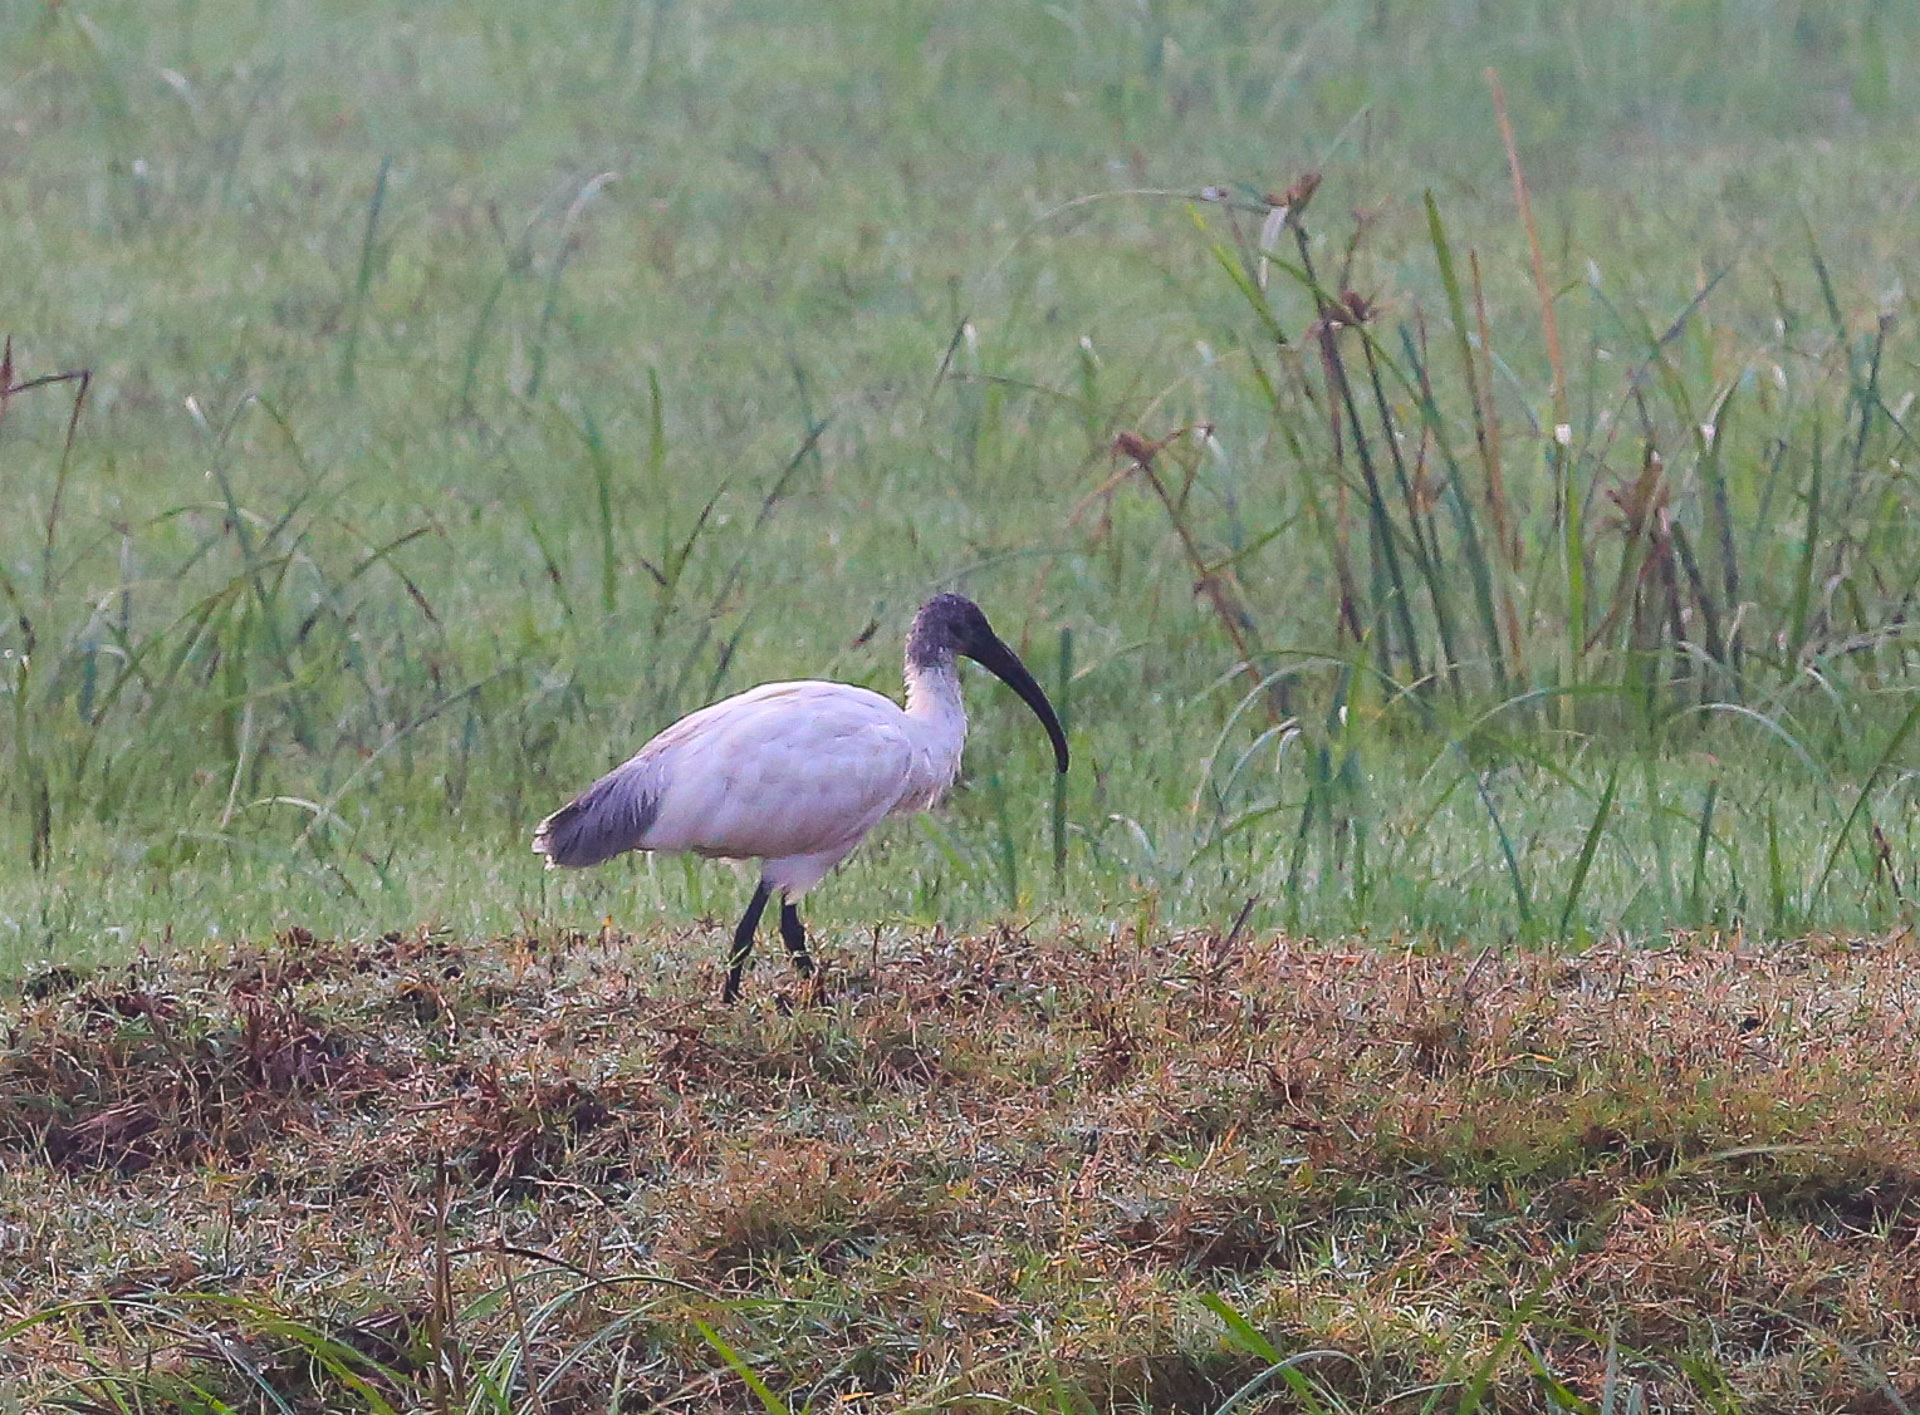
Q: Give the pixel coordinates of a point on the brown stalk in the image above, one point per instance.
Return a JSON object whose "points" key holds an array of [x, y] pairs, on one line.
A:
{"points": [[1646, 569], [447, 1376], [1326, 321], [529, 1382], [1486, 431], [1487, 427], [1549, 324], [1209, 581]]}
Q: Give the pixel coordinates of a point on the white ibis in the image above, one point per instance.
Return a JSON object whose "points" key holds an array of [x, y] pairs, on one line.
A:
{"points": [[795, 774]]}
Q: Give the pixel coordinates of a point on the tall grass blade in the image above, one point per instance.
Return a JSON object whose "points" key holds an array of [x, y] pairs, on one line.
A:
{"points": [[1543, 291], [477, 341], [1486, 430], [1777, 922], [1380, 518], [1459, 505], [1006, 854], [82, 379], [1862, 803], [1800, 609], [1591, 843], [568, 243], [1480, 399], [1419, 527], [601, 462], [1657, 827], [1719, 513], [1523, 907], [1696, 895], [363, 279]]}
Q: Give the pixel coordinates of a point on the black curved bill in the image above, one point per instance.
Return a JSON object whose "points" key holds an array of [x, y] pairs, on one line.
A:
{"points": [[986, 650]]}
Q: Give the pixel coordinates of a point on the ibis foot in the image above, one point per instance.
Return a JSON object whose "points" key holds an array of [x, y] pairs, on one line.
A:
{"points": [[794, 934], [813, 987]]}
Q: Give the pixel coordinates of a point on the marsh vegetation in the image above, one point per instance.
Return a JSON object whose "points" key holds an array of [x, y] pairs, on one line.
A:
{"points": [[1461, 517]]}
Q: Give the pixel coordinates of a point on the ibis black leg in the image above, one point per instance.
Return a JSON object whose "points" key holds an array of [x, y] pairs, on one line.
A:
{"points": [[743, 941], [794, 935]]}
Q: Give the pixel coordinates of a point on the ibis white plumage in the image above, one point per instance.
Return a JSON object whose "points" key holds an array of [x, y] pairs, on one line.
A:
{"points": [[795, 774]]}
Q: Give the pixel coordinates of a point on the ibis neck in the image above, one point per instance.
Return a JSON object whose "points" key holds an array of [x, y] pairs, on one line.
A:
{"points": [[933, 697], [935, 710]]}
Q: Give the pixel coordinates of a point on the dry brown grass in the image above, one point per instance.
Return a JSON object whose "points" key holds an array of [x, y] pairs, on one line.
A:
{"points": [[1008, 1165]]}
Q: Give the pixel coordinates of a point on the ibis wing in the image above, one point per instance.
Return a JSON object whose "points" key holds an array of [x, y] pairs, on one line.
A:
{"points": [[788, 769]]}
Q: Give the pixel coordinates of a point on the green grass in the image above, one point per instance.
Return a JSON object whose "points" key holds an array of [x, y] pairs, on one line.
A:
{"points": [[475, 389]]}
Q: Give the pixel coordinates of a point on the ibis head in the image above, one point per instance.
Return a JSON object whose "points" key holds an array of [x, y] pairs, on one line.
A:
{"points": [[951, 624]]}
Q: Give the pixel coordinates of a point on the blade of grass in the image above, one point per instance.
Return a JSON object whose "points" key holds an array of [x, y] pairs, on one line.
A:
{"points": [[1588, 846], [769, 1402], [568, 244], [601, 463], [1776, 877], [1425, 554], [363, 280], [1861, 802], [1800, 608], [1696, 896], [1457, 503]]}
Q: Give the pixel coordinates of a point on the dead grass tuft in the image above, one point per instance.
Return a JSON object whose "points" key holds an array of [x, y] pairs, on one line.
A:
{"points": [[121, 1077], [517, 1133], [811, 1202]]}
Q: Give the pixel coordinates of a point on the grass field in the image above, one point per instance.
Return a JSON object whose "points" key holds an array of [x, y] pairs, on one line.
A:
{"points": [[1491, 559]]}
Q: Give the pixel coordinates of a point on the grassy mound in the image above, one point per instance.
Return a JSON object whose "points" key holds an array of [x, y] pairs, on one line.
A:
{"points": [[1071, 1170]]}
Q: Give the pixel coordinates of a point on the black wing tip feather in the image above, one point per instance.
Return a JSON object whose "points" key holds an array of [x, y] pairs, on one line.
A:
{"points": [[558, 836], [607, 819]]}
